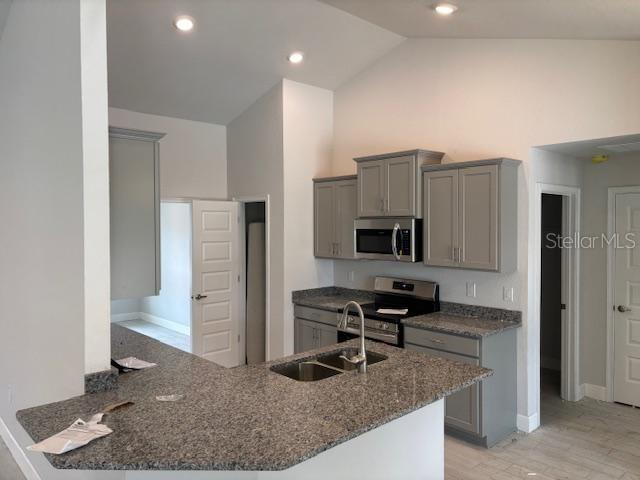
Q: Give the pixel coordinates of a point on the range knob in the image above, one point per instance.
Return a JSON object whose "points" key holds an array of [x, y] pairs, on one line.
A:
{"points": [[385, 326], [379, 325]]}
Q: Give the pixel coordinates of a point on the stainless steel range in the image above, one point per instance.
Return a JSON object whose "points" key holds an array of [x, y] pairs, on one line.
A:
{"points": [[395, 299]]}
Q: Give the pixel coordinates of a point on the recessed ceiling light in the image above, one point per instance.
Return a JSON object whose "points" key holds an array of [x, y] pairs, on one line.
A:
{"points": [[296, 57], [445, 9], [184, 23]]}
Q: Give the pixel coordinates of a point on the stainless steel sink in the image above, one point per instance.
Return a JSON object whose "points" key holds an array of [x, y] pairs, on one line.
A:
{"points": [[306, 371], [333, 359], [324, 366]]}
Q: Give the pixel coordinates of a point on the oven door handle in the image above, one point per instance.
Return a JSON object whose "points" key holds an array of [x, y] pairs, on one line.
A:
{"points": [[394, 245]]}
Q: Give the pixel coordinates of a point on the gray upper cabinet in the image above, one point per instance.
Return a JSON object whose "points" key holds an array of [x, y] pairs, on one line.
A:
{"points": [[390, 185], [134, 192], [471, 215], [334, 213]]}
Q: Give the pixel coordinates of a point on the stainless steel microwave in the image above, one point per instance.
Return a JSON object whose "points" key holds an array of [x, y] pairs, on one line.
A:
{"points": [[396, 239]]}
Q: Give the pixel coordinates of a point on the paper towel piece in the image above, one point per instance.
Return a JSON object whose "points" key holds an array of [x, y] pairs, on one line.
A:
{"points": [[135, 363], [393, 311], [77, 435]]}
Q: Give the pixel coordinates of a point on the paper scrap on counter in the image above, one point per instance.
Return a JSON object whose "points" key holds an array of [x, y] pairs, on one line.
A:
{"points": [[170, 398], [135, 363], [77, 435], [393, 311]]}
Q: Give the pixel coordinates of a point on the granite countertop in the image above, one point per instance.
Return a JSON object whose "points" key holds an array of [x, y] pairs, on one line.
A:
{"points": [[463, 325], [332, 299], [243, 418]]}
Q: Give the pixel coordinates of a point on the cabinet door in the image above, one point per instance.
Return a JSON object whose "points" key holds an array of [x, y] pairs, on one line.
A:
{"points": [[326, 335], [400, 195], [371, 190], [478, 217], [440, 190], [345, 198], [306, 336], [324, 215], [462, 409]]}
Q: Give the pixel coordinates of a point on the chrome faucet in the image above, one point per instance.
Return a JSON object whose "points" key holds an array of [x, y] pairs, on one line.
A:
{"points": [[361, 358]]}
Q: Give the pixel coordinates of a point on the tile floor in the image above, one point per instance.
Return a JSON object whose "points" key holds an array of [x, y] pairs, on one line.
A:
{"points": [[162, 334]]}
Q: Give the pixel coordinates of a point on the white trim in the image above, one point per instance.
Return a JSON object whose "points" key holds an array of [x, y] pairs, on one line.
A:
{"points": [[528, 424], [25, 466], [267, 233], [611, 275], [163, 322], [571, 291], [123, 317], [596, 392]]}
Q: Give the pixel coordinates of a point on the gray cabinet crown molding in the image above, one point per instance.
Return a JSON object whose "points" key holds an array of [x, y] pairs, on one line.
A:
{"points": [[430, 154], [133, 134], [472, 163]]}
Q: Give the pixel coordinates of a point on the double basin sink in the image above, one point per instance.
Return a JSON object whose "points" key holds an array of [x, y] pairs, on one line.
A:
{"points": [[324, 365]]}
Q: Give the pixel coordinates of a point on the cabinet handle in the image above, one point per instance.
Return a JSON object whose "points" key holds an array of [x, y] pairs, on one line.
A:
{"points": [[434, 340]]}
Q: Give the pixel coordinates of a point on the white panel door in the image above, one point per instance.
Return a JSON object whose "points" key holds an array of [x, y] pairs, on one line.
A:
{"points": [[215, 332], [626, 383]]}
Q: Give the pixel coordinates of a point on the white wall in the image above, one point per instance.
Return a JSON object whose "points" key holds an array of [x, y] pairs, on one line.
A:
{"points": [[478, 99], [307, 142], [95, 151], [174, 302], [620, 170], [193, 155], [41, 205], [255, 155]]}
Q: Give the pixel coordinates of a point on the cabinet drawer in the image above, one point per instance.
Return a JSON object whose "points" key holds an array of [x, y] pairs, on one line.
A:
{"points": [[443, 341], [316, 315]]}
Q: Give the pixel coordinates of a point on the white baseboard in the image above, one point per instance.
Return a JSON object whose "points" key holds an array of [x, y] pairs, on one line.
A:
{"points": [[595, 391], [528, 424], [121, 317], [28, 470], [163, 322]]}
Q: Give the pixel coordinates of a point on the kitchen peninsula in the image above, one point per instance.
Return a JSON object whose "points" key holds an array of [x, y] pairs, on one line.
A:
{"points": [[261, 424]]}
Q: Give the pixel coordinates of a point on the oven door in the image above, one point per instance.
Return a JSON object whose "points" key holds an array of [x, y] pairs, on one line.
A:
{"points": [[385, 337], [396, 239]]}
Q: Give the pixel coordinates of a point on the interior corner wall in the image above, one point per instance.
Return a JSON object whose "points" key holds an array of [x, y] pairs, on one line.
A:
{"points": [[193, 155], [307, 144], [480, 99], [255, 167], [95, 152], [41, 205]]}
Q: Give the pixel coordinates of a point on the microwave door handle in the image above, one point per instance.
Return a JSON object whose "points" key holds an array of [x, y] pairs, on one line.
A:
{"points": [[394, 246]]}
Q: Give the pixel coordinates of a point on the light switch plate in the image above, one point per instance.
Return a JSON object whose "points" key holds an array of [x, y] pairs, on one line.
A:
{"points": [[471, 289], [507, 294]]}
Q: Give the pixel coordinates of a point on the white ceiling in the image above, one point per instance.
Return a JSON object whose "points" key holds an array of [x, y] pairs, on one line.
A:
{"points": [[599, 146], [235, 54], [575, 19]]}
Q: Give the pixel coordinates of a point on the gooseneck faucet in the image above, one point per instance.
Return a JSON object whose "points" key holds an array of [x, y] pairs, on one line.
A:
{"points": [[361, 358]]}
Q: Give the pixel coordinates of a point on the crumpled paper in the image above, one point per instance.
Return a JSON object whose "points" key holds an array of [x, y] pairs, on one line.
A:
{"points": [[134, 363], [77, 435]]}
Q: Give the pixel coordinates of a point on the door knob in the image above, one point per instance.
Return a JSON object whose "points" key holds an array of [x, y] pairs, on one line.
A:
{"points": [[199, 297], [623, 308]]}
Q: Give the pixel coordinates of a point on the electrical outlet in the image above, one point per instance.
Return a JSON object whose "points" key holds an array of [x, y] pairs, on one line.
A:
{"points": [[471, 289], [508, 294]]}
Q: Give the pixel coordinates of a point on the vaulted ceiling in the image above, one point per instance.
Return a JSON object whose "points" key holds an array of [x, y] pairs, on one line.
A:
{"points": [[237, 51], [569, 19]]}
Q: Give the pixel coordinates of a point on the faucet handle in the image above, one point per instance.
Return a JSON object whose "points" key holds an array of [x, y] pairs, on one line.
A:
{"points": [[356, 360]]}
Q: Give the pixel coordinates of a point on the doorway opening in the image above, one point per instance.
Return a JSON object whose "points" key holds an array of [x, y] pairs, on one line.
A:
{"points": [[551, 295], [165, 317]]}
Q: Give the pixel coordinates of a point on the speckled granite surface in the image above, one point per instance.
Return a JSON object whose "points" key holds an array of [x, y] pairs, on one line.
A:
{"points": [[466, 326], [487, 313], [330, 298], [101, 381], [244, 418]]}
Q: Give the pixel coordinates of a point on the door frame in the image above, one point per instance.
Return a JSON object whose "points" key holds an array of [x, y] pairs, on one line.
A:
{"points": [[242, 200], [611, 275], [571, 386]]}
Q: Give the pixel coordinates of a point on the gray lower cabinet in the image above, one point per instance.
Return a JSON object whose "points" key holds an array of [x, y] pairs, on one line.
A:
{"points": [[389, 185], [334, 214], [470, 211], [484, 413], [314, 328]]}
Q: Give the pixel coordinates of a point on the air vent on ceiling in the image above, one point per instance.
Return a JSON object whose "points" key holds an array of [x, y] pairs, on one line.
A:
{"points": [[621, 147]]}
